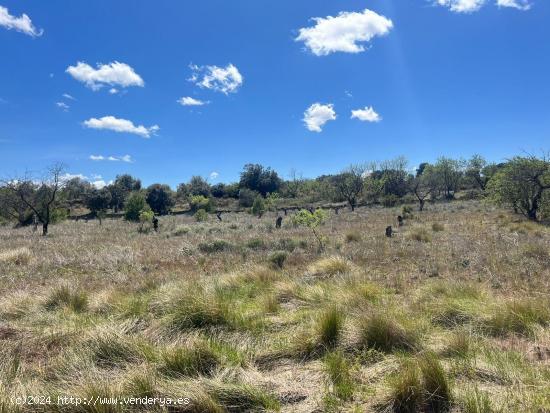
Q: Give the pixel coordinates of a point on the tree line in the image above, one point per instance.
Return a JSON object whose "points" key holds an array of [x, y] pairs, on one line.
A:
{"points": [[522, 183]]}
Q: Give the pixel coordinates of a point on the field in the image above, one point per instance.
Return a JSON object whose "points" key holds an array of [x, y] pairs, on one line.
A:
{"points": [[450, 314]]}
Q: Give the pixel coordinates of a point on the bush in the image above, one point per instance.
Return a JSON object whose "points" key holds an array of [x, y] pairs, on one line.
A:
{"points": [[197, 202], [247, 197], [406, 212], [256, 244], [277, 259], [214, 246], [134, 205], [353, 237], [437, 227], [420, 234], [201, 215], [145, 219], [258, 207], [389, 201]]}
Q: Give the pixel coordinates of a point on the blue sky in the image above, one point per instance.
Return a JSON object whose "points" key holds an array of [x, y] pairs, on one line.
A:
{"points": [[425, 78]]}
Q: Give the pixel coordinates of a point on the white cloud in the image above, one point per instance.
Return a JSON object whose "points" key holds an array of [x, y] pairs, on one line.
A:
{"points": [[516, 4], [115, 73], [99, 184], [67, 96], [344, 33], [189, 101], [366, 115], [21, 24], [124, 158], [214, 175], [220, 79], [317, 115], [462, 6], [113, 91], [63, 106], [121, 125]]}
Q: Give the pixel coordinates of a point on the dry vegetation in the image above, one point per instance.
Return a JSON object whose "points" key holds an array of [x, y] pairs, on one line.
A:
{"points": [[452, 313]]}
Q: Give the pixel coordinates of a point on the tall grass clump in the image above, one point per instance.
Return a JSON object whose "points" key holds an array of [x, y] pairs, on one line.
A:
{"points": [[329, 327], [18, 256], [384, 334], [65, 297], [338, 371], [420, 234], [518, 317], [331, 266], [195, 360], [420, 386]]}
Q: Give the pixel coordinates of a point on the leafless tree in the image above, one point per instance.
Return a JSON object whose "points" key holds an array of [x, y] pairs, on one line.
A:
{"points": [[39, 196]]}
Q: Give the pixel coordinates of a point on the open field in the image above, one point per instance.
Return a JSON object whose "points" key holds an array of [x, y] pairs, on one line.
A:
{"points": [[452, 313]]}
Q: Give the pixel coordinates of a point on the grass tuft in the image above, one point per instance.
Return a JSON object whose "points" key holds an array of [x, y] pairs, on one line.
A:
{"points": [[331, 266], [18, 256], [329, 327], [384, 334], [198, 359], [65, 297]]}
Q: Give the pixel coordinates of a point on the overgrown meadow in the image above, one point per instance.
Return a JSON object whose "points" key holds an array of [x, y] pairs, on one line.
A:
{"points": [[450, 314]]}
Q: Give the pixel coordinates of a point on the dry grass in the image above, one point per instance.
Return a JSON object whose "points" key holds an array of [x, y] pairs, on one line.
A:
{"points": [[451, 313]]}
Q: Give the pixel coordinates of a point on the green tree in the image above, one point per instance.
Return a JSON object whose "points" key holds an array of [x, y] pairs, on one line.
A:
{"points": [[522, 184], [199, 186], [134, 205], [160, 198], [260, 179], [98, 201], [312, 221], [449, 174]]}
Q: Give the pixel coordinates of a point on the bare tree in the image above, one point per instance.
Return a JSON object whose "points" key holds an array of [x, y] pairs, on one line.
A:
{"points": [[350, 184], [39, 197]]}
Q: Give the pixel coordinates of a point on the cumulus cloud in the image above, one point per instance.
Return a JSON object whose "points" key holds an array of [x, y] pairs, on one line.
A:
{"points": [[220, 79], [344, 33], [462, 6], [214, 175], [189, 101], [121, 125], [21, 24], [366, 115], [124, 158], [317, 115], [113, 91], [112, 74], [63, 106], [516, 4]]}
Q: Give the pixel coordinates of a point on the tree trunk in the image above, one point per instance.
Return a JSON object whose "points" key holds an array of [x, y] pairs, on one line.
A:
{"points": [[44, 229], [421, 204]]}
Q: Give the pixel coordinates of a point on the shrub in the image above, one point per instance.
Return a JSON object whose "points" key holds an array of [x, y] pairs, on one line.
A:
{"points": [[437, 227], [420, 234], [390, 200], [384, 334], [145, 219], [247, 197], [198, 202], [180, 230], [353, 237], [256, 244], [214, 246], [406, 212], [134, 205], [277, 259], [201, 215], [258, 206], [312, 221]]}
